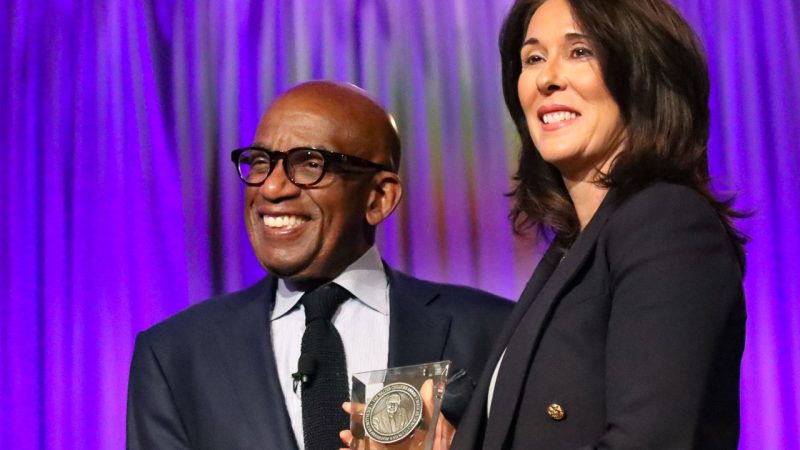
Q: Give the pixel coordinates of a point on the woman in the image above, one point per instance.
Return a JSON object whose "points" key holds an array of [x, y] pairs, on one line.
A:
{"points": [[631, 330]]}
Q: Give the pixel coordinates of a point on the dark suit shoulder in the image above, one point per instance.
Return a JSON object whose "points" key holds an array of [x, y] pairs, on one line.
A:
{"points": [[200, 315], [453, 295], [664, 214], [666, 211], [665, 200], [473, 299]]}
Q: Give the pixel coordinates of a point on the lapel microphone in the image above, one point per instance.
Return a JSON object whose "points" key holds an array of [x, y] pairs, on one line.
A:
{"points": [[306, 366]]}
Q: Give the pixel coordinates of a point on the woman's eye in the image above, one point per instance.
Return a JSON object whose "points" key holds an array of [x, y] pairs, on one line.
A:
{"points": [[581, 52], [531, 59]]}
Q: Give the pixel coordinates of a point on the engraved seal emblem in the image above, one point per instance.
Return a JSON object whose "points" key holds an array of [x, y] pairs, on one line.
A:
{"points": [[393, 413]]}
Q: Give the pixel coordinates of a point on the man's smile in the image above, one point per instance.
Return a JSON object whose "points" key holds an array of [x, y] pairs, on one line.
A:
{"points": [[286, 222]]}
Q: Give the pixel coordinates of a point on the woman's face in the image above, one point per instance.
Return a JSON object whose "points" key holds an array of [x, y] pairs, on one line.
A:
{"points": [[572, 118]]}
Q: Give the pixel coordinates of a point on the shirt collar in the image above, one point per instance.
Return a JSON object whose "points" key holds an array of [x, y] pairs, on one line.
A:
{"points": [[365, 279]]}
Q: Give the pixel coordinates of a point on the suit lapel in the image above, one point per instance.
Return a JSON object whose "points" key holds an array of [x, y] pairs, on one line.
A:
{"points": [[539, 278], [474, 418], [524, 339], [417, 332], [246, 350]]}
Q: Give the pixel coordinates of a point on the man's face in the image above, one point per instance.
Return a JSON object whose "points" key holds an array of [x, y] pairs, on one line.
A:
{"points": [[313, 233], [392, 404]]}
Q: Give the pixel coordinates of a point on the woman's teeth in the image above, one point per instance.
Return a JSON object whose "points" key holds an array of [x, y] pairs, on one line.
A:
{"points": [[560, 116]]}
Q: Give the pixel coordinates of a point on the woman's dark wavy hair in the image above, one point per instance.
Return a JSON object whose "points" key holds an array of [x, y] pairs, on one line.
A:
{"points": [[655, 68]]}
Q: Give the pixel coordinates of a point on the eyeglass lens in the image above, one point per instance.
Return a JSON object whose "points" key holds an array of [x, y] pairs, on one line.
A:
{"points": [[304, 166]]}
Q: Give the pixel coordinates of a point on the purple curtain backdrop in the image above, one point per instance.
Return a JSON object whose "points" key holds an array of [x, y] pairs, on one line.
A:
{"points": [[119, 206]]}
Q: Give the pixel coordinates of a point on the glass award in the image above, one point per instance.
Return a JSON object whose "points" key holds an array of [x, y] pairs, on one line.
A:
{"points": [[397, 408]]}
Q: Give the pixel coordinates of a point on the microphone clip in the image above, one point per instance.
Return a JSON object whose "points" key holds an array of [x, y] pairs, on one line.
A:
{"points": [[306, 366], [297, 379]]}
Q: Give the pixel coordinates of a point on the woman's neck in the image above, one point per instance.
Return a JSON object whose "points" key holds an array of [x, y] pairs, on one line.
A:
{"points": [[583, 189], [587, 197]]}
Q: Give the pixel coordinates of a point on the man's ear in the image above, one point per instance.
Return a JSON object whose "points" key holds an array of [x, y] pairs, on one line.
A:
{"points": [[387, 190]]}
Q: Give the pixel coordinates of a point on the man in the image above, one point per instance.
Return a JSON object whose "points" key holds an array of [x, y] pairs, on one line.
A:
{"points": [[320, 177], [393, 418]]}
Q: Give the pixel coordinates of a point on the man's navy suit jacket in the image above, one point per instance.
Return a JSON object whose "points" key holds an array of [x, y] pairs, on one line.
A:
{"points": [[206, 377]]}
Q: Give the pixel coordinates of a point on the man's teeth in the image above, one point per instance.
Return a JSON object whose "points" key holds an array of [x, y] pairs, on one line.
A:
{"points": [[283, 221], [560, 116]]}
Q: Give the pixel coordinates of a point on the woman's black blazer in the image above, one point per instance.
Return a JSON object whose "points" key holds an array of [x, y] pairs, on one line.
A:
{"points": [[632, 340]]}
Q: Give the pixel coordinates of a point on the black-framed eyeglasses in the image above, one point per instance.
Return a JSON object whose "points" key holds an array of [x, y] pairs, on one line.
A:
{"points": [[305, 166]]}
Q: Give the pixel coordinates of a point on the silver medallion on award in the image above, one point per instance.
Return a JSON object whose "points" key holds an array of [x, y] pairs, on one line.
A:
{"points": [[395, 408]]}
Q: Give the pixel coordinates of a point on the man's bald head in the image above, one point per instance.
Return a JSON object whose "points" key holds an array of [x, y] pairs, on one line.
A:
{"points": [[370, 130], [308, 234]]}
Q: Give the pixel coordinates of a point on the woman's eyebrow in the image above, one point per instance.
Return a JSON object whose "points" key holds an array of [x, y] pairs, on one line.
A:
{"points": [[574, 36]]}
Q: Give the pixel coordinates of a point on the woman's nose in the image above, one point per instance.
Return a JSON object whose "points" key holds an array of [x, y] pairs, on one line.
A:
{"points": [[550, 78]]}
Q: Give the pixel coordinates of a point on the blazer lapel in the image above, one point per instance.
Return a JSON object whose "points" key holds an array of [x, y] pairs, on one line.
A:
{"points": [[524, 340], [417, 332], [246, 350], [542, 273], [474, 419]]}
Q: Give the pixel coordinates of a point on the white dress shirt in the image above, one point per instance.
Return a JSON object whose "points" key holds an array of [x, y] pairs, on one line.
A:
{"points": [[362, 321], [493, 383]]}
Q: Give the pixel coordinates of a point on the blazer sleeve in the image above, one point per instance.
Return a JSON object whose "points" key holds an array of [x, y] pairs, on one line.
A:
{"points": [[676, 326], [152, 417]]}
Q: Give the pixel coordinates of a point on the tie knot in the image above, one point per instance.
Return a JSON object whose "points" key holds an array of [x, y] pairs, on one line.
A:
{"points": [[322, 302]]}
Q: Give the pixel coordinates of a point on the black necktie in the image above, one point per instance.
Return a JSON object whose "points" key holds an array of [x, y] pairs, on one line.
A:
{"points": [[326, 389]]}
